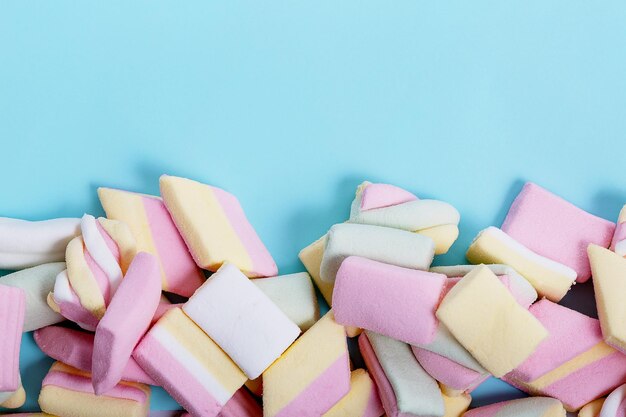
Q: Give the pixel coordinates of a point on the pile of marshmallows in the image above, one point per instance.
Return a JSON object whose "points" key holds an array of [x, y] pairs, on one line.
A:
{"points": [[244, 336]]}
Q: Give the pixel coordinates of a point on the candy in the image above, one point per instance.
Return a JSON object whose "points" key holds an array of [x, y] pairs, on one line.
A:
{"points": [[618, 243], [525, 407], [615, 403], [609, 283], [294, 295], [405, 388], [551, 279], [311, 376], [191, 367], [242, 404], [383, 244], [215, 227], [125, 321], [251, 329], [361, 401], [12, 309], [592, 409], [500, 334], [155, 233], [552, 227], [455, 405], [13, 399], [387, 299], [24, 243], [68, 392]]}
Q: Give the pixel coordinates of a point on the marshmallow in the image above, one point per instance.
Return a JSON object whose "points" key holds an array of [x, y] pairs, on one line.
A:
{"points": [[592, 409], [405, 388], [191, 367], [361, 401], [383, 244], [525, 407], [242, 404], [552, 227], [551, 279], [215, 227], [68, 392], [609, 284], [24, 243], [618, 243], [500, 334], [12, 309], [75, 348], [615, 403], [155, 232], [455, 405], [125, 321], [311, 376], [28, 415], [387, 299], [13, 399], [251, 329], [390, 206], [294, 295]]}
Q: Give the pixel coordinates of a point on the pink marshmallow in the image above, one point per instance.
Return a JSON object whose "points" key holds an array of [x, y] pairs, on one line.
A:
{"points": [[384, 195], [12, 311]]}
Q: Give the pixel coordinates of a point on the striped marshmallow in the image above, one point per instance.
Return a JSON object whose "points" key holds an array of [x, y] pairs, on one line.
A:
{"points": [[12, 309], [525, 407], [618, 244]]}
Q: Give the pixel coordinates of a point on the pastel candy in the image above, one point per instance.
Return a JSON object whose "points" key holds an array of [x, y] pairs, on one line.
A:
{"points": [[251, 329], [387, 299], [525, 407], [12, 307], [592, 409], [383, 244], [615, 403], [190, 366], [28, 415], [215, 227], [242, 404], [552, 227], [551, 279], [405, 388], [13, 399], [125, 321], [75, 348], [361, 401], [618, 243], [37, 282], [455, 405], [371, 196], [68, 392], [570, 334], [152, 226], [500, 334], [311, 376], [609, 284], [295, 295], [26, 243]]}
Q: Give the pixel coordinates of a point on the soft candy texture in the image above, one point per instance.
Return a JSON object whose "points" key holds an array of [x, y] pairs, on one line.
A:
{"points": [[251, 329], [24, 243], [155, 232], [311, 376], [456, 405], [215, 227], [525, 407], [551, 279], [592, 409], [552, 227], [387, 299], [618, 243], [570, 334], [390, 206], [241, 404], [37, 282], [13, 399], [68, 392], [500, 334], [405, 388], [361, 401], [294, 295], [615, 403], [12, 309], [609, 284], [383, 244], [126, 320], [188, 364], [75, 348]]}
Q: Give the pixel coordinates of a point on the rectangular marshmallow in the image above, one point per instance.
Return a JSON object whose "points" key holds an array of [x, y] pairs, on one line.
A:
{"points": [[361, 401], [12, 308], [618, 243], [525, 407], [485, 318], [251, 329], [13, 399]]}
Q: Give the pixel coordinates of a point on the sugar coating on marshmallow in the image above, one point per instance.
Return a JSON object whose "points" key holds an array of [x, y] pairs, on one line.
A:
{"points": [[26, 243], [525, 407], [188, 364], [404, 387], [295, 295], [13, 399], [485, 318], [155, 233], [618, 243], [251, 329], [553, 227], [551, 279], [12, 310], [387, 299], [361, 401], [609, 284], [383, 244], [215, 227], [311, 376], [592, 409], [615, 403]]}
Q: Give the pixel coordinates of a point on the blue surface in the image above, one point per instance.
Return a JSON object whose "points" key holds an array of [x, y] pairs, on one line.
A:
{"points": [[290, 105]]}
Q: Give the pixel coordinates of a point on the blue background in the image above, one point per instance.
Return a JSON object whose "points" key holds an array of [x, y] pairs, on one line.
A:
{"points": [[290, 105]]}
